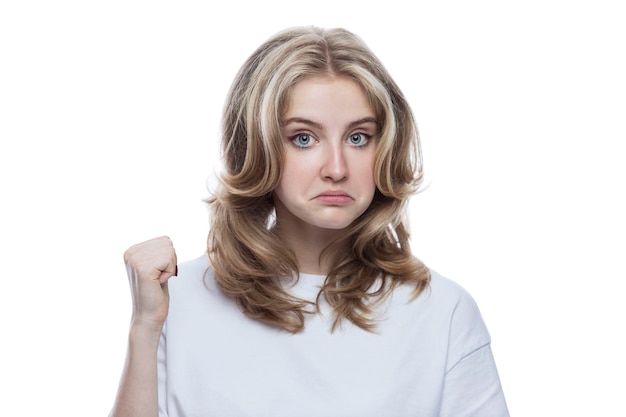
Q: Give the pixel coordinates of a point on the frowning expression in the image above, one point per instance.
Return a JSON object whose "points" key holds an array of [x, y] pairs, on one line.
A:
{"points": [[329, 130]]}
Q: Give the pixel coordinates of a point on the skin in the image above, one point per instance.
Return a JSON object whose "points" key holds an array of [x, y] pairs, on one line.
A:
{"points": [[149, 265], [327, 182]]}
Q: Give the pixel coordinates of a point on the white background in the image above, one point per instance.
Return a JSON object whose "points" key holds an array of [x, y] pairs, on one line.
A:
{"points": [[109, 118]]}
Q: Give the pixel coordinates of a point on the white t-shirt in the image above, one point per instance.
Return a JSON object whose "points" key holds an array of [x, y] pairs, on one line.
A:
{"points": [[429, 357]]}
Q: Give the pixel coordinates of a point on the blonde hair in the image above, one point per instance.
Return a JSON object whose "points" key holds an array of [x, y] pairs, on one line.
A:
{"points": [[372, 256]]}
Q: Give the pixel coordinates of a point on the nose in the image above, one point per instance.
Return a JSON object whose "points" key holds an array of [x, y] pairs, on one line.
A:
{"points": [[335, 166]]}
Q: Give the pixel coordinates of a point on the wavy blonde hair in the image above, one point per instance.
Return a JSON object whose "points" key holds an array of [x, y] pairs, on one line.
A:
{"points": [[372, 256]]}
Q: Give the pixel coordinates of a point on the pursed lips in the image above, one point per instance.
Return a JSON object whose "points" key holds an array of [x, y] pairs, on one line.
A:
{"points": [[334, 197]]}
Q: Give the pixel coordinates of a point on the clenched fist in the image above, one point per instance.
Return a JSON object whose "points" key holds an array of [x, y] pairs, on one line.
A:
{"points": [[149, 265]]}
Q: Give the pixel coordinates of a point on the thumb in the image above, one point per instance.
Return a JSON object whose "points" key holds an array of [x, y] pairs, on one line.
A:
{"points": [[170, 271]]}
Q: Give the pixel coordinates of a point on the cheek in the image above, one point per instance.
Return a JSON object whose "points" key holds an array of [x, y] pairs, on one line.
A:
{"points": [[367, 171], [292, 173], [289, 171]]}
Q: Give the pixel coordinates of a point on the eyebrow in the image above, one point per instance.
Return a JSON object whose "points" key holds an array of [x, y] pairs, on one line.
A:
{"points": [[320, 127]]}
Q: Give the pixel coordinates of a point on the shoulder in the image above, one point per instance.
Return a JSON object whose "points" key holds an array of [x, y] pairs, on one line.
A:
{"points": [[193, 267], [457, 300], [195, 276], [467, 329], [196, 299], [442, 294], [446, 311], [452, 295]]}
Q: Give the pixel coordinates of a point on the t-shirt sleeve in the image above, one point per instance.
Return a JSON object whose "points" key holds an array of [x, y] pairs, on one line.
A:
{"points": [[471, 386]]}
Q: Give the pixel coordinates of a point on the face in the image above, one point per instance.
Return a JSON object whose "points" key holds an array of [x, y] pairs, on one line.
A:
{"points": [[329, 131]]}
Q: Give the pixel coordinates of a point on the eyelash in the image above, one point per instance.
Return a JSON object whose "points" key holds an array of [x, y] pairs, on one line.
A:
{"points": [[294, 138]]}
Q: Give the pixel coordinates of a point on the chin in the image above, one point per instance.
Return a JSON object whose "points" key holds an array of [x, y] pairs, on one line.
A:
{"points": [[334, 225]]}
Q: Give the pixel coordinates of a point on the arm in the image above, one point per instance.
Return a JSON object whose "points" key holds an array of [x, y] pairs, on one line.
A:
{"points": [[149, 265], [137, 392]]}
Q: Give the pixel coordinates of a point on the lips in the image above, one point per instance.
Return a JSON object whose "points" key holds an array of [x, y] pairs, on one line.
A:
{"points": [[331, 197]]}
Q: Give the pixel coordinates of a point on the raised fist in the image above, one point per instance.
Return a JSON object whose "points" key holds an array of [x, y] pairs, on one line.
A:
{"points": [[149, 265]]}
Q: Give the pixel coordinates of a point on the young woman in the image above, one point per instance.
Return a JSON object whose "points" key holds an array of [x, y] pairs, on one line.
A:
{"points": [[308, 301]]}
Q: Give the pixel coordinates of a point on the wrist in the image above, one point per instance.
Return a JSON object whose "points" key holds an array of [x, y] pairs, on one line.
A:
{"points": [[145, 330]]}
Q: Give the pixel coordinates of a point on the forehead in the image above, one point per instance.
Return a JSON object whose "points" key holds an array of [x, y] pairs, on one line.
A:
{"points": [[327, 97]]}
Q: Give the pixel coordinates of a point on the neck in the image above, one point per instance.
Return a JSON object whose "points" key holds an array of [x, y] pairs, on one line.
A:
{"points": [[308, 245]]}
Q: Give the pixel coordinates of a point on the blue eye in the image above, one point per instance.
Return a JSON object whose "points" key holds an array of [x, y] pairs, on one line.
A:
{"points": [[358, 139], [302, 140]]}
